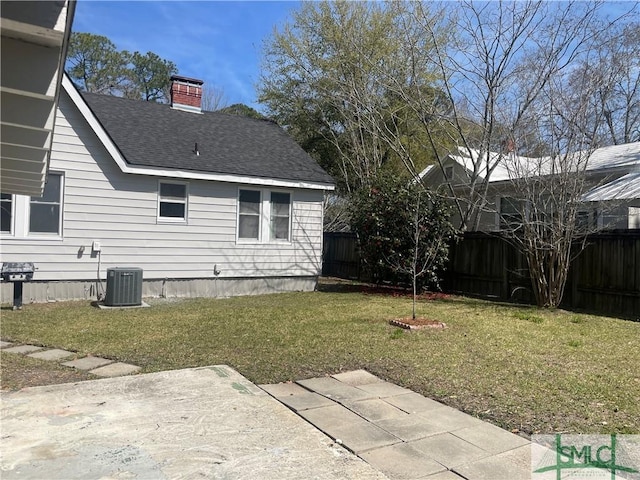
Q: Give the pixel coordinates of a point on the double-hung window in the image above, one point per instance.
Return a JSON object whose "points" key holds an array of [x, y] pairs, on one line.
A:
{"points": [[172, 202], [264, 216], [45, 212], [280, 216], [249, 215]]}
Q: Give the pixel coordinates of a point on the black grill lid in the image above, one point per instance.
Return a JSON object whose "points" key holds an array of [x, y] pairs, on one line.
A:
{"points": [[17, 267]]}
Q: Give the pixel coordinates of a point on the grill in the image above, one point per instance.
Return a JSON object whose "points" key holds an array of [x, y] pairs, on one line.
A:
{"points": [[17, 273]]}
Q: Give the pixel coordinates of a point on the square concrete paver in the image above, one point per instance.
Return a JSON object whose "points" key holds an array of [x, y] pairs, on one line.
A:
{"points": [[355, 433], [4, 344], [491, 438], [451, 419], [88, 363], [414, 403], [332, 388], [22, 349], [306, 401], [356, 378], [449, 450], [411, 427], [384, 389], [117, 369], [493, 468], [402, 461], [319, 384], [280, 390], [374, 409], [53, 354]]}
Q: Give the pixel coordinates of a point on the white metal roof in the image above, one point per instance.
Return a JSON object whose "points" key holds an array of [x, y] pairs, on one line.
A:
{"points": [[510, 166], [626, 187]]}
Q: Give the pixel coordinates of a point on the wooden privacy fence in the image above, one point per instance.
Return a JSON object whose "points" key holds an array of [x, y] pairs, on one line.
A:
{"points": [[341, 256], [603, 278]]}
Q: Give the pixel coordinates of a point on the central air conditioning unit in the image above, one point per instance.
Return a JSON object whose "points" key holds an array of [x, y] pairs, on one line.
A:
{"points": [[124, 287]]}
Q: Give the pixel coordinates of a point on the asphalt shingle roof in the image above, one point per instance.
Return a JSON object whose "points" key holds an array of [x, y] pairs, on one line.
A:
{"points": [[155, 135]]}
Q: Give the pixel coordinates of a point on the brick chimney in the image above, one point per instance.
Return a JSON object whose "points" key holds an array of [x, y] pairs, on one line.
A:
{"points": [[186, 94]]}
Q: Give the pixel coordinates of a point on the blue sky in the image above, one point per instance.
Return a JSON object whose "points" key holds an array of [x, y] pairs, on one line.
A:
{"points": [[218, 42]]}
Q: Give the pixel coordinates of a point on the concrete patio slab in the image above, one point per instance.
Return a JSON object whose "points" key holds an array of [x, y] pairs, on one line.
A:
{"points": [[23, 349], [384, 389], [449, 475], [412, 427], [374, 409], [449, 450], [52, 355], [491, 438], [280, 390], [353, 431], [402, 462], [356, 378], [414, 403], [87, 363], [116, 369], [306, 401], [194, 423], [4, 344]]}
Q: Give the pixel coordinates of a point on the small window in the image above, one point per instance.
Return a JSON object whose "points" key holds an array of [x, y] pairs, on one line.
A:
{"points": [[172, 200], [6, 210], [280, 215], [510, 213], [448, 172], [45, 212], [586, 220], [249, 215]]}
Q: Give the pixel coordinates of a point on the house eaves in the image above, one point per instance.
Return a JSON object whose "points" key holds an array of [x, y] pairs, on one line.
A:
{"points": [[35, 38], [140, 162]]}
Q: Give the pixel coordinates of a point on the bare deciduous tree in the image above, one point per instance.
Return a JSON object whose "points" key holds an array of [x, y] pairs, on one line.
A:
{"points": [[213, 98], [494, 66]]}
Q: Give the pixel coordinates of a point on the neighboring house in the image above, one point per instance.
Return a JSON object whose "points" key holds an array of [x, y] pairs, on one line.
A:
{"points": [[207, 204], [612, 200]]}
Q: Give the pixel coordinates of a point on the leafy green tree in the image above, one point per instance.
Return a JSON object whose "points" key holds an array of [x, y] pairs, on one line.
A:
{"points": [[326, 78], [403, 231], [149, 77], [242, 110], [95, 64]]}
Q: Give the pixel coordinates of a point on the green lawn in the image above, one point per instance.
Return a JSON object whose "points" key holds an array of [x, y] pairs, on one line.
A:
{"points": [[519, 367]]}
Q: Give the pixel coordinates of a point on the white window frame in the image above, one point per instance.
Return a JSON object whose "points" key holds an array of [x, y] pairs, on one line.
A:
{"points": [[161, 200], [27, 225], [12, 222], [265, 231]]}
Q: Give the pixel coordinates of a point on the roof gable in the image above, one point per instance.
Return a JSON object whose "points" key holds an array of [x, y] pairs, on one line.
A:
{"points": [[155, 139]]}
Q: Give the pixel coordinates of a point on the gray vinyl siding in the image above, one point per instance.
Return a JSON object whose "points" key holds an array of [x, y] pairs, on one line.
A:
{"points": [[120, 210]]}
